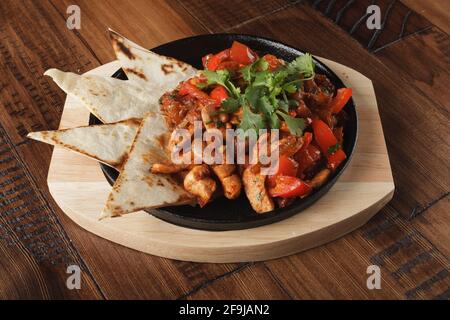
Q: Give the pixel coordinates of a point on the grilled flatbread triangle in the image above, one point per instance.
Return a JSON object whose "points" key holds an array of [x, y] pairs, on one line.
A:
{"points": [[153, 71], [109, 99], [137, 188], [107, 143]]}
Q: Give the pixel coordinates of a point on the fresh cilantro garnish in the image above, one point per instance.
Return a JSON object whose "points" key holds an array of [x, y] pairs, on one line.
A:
{"points": [[334, 148], [265, 98], [251, 120], [248, 72], [303, 64], [283, 105], [252, 94], [216, 77], [295, 125], [229, 105], [221, 77], [269, 110]]}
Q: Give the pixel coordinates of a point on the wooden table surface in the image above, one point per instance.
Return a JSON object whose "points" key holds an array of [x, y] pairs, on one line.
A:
{"points": [[408, 61]]}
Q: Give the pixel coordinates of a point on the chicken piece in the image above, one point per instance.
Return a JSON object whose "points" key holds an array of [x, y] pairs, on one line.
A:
{"points": [[320, 178], [198, 182], [168, 168], [231, 182], [255, 189]]}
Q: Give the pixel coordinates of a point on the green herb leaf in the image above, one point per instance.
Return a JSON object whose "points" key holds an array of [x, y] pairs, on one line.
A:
{"points": [[283, 105], [263, 78], [293, 103], [216, 77], [334, 148], [266, 107], [303, 64], [295, 125], [248, 72], [251, 120], [252, 94], [235, 91], [229, 105]]}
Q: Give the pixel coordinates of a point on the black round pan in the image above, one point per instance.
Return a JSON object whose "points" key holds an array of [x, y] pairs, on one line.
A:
{"points": [[223, 214]]}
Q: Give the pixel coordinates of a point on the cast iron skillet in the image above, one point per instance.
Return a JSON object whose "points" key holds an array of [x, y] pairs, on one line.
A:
{"points": [[224, 214]]}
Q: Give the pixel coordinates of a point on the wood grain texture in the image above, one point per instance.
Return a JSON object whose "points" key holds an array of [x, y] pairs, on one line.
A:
{"points": [[437, 12], [219, 16], [149, 22], [398, 21], [38, 248], [433, 221], [235, 286]]}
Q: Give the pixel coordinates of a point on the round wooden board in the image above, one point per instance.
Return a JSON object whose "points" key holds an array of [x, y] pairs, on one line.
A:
{"points": [[80, 189]]}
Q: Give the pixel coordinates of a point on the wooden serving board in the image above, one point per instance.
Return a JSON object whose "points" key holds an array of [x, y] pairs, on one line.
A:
{"points": [[80, 189]]}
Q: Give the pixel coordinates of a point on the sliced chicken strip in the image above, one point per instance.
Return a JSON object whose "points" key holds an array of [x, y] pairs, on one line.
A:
{"points": [[231, 182], [255, 189]]}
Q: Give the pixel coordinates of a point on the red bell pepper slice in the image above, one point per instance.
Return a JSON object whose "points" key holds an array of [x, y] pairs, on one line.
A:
{"points": [[229, 65], [219, 94], [286, 167], [326, 139], [323, 135], [213, 62], [241, 53], [341, 99], [335, 159], [288, 187], [186, 88]]}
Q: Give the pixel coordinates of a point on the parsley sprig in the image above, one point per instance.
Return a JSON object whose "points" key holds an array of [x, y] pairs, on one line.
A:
{"points": [[265, 98]]}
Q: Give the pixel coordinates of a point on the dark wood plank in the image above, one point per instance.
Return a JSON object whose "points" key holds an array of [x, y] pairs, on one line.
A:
{"points": [[434, 223], [38, 247], [428, 71], [150, 23], [34, 250], [397, 20], [251, 282], [423, 60], [437, 12], [219, 16], [338, 269]]}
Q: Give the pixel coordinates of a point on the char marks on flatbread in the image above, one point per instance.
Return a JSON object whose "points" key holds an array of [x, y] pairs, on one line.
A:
{"points": [[153, 71], [107, 143], [109, 99], [136, 187]]}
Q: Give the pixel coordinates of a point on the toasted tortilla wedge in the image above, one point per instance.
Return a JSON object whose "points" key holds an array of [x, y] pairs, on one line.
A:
{"points": [[107, 143], [109, 99], [152, 71], [137, 188]]}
